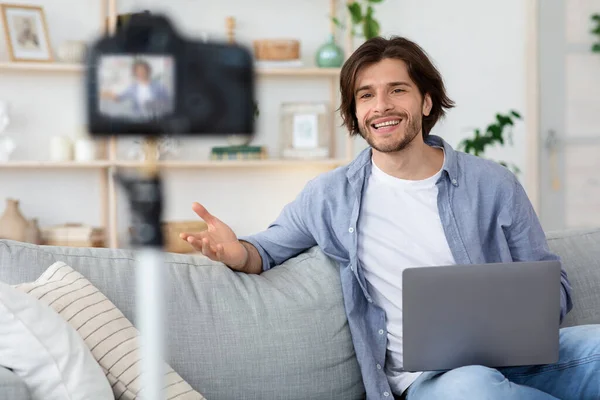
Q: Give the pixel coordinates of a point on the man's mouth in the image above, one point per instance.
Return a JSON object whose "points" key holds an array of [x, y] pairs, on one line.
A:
{"points": [[392, 122]]}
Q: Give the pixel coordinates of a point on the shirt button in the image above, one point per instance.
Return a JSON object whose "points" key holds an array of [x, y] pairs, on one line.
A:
{"points": [[381, 331], [352, 268], [370, 300], [386, 394], [454, 182], [351, 230], [378, 366]]}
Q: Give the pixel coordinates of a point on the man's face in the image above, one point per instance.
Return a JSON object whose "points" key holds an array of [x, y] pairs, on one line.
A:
{"points": [[389, 107], [141, 74]]}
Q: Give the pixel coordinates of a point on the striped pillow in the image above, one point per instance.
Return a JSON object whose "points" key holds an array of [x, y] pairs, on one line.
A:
{"points": [[112, 339]]}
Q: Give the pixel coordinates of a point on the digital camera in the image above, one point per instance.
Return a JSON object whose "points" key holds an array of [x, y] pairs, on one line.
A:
{"points": [[147, 79]]}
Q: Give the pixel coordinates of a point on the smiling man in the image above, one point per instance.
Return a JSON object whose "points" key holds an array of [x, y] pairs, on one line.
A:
{"points": [[410, 200]]}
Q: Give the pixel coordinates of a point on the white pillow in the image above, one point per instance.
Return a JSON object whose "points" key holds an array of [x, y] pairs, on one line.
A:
{"points": [[46, 352], [112, 339]]}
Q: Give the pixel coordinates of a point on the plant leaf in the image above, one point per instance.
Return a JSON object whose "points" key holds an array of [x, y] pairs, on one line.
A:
{"points": [[355, 12], [375, 1], [516, 114], [370, 28]]}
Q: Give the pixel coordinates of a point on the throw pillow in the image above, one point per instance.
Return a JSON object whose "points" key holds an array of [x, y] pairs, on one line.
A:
{"points": [[46, 352], [110, 336]]}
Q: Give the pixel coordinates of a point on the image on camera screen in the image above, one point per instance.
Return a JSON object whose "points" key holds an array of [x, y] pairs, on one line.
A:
{"points": [[136, 86]]}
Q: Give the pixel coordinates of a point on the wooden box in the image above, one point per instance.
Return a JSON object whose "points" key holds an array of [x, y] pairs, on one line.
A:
{"points": [[277, 49]]}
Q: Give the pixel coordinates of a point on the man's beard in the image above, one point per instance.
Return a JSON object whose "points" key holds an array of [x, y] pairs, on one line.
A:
{"points": [[413, 128]]}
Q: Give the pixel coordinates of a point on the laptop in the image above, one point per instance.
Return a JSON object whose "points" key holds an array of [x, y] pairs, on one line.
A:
{"points": [[495, 315]]}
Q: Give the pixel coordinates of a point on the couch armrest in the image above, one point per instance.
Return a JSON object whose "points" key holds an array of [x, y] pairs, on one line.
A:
{"points": [[11, 386]]}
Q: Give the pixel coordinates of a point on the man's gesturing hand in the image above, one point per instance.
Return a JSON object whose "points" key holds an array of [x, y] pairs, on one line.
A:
{"points": [[218, 242]]}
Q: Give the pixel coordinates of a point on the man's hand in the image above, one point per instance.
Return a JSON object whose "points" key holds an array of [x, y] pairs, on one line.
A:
{"points": [[218, 242], [108, 95]]}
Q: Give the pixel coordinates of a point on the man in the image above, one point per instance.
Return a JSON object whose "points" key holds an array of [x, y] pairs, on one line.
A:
{"points": [[148, 98], [410, 200]]}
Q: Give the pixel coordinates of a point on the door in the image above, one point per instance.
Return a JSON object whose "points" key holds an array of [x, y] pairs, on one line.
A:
{"points": [[569, 105]]}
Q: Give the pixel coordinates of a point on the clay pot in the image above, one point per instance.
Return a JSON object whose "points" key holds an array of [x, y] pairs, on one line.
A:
{"points": [[33, 233], [13, 225]]}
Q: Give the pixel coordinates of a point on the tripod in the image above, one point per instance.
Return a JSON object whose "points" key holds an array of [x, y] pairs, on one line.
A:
{"points": [[146, 205]]}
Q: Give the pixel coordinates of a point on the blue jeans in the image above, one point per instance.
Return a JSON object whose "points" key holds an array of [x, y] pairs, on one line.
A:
{"points": [[576, 375]]}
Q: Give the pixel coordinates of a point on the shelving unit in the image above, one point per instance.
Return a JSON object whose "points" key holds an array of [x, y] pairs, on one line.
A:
{"points": [[109, 165]]}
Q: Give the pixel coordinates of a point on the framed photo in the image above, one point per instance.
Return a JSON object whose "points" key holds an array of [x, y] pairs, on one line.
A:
{"points": [[306, 130], [26, 33]]}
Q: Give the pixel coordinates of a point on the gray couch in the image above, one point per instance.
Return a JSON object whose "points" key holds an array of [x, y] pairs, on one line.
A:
{"points": [[280, 335]]}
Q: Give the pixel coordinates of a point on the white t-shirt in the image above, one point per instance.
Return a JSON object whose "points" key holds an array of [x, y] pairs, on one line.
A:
{"points": [[399, 227], [144, 94]]}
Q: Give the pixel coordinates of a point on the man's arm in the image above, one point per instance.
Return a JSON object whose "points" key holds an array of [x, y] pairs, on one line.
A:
{"points": [[127, 94], [254, 264], [527, 241], [285, 238]]}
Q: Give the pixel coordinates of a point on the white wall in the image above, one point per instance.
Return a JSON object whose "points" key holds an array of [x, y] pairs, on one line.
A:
{"points": [[478, 46]]}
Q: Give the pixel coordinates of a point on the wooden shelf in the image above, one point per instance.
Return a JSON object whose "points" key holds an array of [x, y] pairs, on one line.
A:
{"points": [[172, 164], [80, 68], [54, 165], [41, 67], [269, 163], [332, 72]]}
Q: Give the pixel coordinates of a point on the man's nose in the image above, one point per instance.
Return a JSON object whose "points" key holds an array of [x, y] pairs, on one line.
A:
{"points": [[382, 104]]}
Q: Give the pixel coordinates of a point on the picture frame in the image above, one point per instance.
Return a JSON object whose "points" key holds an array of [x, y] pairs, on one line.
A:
{"points": [[26, 33], [305, 130]]}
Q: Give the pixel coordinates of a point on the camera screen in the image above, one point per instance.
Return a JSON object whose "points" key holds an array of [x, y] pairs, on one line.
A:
{"points": [[136, 87]]}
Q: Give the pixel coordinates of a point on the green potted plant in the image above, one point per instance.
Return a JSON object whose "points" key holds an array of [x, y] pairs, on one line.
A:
{"points": [[493, 134], [362, 18], [596, 31]]}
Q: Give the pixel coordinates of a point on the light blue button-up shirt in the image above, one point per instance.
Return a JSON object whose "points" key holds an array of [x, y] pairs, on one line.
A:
{"points": [[485, 212]]}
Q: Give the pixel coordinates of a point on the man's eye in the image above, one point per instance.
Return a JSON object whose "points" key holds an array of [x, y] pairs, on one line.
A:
{"points": [[398, 90], [365, 95]]}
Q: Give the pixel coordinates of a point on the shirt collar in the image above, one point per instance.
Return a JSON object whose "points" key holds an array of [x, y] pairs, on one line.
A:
{"points": [[362, 163]]}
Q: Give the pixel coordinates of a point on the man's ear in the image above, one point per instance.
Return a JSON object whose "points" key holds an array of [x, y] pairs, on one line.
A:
{"points": [[427, 104]]}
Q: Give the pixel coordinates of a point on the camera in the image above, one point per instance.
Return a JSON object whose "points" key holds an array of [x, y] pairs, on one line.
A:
{"points": [[149, 80]]}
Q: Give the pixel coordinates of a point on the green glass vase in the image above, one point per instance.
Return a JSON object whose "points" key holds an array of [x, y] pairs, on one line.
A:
{"points": [[330, 55]]}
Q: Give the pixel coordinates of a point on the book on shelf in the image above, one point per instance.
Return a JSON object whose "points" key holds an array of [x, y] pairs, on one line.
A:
{"points": [[238, 153]]}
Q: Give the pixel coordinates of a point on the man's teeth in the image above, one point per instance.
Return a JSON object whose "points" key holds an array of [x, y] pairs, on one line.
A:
{"points": [[387, 123]]}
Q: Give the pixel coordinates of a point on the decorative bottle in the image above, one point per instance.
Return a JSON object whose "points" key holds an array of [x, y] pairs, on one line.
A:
{"points": [[330, 55], [13, 225]]}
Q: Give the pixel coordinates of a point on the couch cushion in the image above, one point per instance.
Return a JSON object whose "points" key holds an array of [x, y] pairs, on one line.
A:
{"points": [[12, 387], [279, 335], [580, 253], [46, 352], [111, 338]]}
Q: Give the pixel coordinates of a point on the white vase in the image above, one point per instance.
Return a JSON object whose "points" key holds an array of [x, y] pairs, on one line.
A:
{"points": [[7, 146], [85, 150], [4, 116], [61, 149]]}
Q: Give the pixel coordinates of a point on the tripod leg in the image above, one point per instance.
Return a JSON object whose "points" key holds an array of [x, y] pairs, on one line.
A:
{"points": [[150, 305]]}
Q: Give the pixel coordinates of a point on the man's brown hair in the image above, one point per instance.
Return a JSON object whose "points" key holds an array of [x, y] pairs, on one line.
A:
{"points": [[420, 69]]}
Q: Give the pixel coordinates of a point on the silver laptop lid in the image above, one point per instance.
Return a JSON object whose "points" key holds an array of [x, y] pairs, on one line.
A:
{"points": [[503, 314]]}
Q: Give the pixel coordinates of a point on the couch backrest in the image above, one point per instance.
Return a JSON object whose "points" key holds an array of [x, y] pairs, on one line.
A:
{"points": [[580, 253], [279, 335]]}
